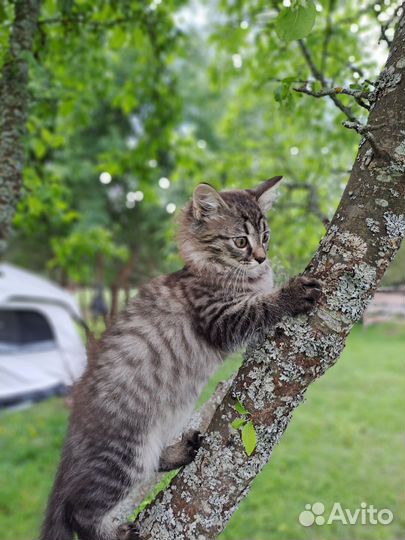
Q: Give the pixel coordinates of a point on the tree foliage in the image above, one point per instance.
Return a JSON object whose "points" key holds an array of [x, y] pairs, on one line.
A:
{"points": [[192, 92]]}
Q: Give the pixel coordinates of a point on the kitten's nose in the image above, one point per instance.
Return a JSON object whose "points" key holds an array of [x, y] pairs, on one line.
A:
{"points": [[259, 255]]}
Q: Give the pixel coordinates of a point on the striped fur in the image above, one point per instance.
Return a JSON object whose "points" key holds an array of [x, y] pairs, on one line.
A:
{"points": [[151, 365]]}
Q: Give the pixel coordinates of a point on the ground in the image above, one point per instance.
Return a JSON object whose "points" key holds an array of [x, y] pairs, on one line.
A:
{"points": [[345, 444]]}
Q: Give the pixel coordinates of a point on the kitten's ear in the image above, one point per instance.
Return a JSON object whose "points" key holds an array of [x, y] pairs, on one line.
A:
{"points": [[266, 193], [206, 200]]}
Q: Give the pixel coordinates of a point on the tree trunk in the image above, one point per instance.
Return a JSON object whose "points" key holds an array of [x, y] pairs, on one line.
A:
{"points": [[114, 291], [362, 239], [100, 269], [121, 282], [13, 112]]}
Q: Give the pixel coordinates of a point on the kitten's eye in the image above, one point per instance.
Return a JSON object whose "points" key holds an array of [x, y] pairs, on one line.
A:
{"points": [[240, 242], [265, 237]]}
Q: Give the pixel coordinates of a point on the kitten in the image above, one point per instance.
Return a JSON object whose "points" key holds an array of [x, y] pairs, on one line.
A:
{"points": [[151, 365]]}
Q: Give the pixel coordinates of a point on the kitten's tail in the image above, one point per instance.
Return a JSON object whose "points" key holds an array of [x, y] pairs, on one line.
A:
{"points": [[57, 525]]}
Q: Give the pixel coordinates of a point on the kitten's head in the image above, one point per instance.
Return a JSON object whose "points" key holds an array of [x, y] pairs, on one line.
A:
{"points": [[228, 229]]}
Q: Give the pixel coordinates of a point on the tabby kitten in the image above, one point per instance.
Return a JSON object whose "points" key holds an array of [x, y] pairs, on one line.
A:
{"points": [[151, 365]]}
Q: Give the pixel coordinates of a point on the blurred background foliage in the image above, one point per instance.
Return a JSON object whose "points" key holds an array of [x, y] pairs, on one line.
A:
{"points": [[133, 103]]}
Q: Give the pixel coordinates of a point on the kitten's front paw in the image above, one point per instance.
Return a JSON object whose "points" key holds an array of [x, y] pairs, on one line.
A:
{"points": [[302, 294]]}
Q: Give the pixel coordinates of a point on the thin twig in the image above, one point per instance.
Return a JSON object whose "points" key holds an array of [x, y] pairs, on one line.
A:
{"points": [[327, 35], [350, 65], [83, 20], [313, 202], [318, 75], [384, 27], [365, 131], [359, 95], [356, 16]]}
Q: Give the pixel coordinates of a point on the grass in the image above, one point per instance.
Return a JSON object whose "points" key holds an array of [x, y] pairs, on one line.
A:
{"points": [[345, 444]]}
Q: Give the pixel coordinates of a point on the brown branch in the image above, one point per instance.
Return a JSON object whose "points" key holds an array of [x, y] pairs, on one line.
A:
{"points": [[328, 32], [356, 16], [365, 131], [358, 95], [121, 282], [14, 110], [313, 202], [384, 37], [386, 26], [333, 91], [319, 76], [82, 19]]}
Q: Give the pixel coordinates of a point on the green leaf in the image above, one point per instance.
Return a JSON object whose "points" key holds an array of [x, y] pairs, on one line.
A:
{"points": [[249, 437], [284, 96], [238, 423], [35, 205], [289, 80], [3, 14], [297, 21], [39, 148], [118, 38], [240, 408]]}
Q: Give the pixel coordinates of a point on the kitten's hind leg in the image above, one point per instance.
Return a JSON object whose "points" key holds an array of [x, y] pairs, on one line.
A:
{"points": [[181, 453], [173, 457]]}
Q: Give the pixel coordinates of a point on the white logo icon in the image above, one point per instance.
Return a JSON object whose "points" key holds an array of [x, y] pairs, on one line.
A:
{"points": [[364, 514], [312, 514]]}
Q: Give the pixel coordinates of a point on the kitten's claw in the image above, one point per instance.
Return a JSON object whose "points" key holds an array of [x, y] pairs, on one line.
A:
{"points": [[302, 293], [128, 531]]}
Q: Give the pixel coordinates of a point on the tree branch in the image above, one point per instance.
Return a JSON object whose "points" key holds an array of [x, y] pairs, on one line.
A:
{"points": [[358, 95], [327, 35], [319, 76], [82, 19], [13, 111], [274, 377], [386, 26], [366, 132], [313, 203]]}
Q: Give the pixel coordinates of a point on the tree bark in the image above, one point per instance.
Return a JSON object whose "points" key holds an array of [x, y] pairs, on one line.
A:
{"points": [[362, 239], [121, 282], [13, 111]]}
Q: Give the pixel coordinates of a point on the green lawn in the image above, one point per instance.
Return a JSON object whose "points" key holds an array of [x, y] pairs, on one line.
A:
{"points": [[345, 444]]}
